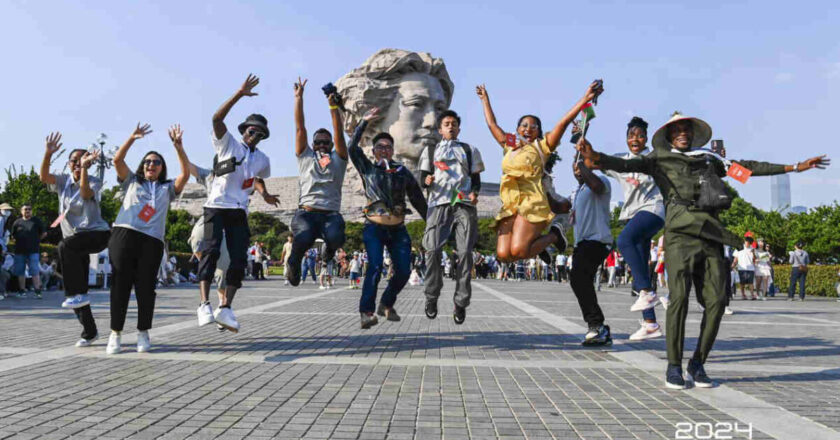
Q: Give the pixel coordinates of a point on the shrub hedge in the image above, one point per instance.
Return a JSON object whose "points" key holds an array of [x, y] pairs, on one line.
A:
{"points": [[820, 281]]}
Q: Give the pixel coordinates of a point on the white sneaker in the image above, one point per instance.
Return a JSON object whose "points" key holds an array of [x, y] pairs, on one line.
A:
{"points": [[665, 301], [646, 331], [224, 316], [113, 343], [75, 302], [286, 283], [144, 343], [646, 300], [728, 311], [205, 314], [323, 287], [86, 342]]}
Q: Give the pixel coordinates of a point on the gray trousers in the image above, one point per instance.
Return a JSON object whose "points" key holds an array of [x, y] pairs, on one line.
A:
{"points": [[440, 222]]}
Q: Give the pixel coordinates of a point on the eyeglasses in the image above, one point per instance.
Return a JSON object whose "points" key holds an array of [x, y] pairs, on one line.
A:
{"points": [[255, 133], [152, 162], [529, 126], [383, 146], [321, 142]]}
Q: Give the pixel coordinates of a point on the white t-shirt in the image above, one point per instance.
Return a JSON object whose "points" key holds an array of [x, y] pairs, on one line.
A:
{"points": [[746, 259], [561, 260], [227, 192]]}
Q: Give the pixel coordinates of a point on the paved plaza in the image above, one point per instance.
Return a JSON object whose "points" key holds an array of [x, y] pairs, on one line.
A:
{"points": [[302, 368]]}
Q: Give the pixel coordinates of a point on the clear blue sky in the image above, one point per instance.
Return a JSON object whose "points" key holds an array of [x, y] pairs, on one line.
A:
{"points": [[764, 74]]}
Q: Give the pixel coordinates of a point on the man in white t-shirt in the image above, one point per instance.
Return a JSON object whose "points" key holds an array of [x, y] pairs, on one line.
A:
{"points": [[237, 167], [560, 262], [745, 263]]}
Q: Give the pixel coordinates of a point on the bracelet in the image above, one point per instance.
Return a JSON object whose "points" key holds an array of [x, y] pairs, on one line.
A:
{"points": [[796, 167], [333, 107]]}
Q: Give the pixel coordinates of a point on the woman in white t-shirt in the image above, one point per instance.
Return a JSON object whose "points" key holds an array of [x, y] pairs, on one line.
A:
{"points": [[762, 270]]}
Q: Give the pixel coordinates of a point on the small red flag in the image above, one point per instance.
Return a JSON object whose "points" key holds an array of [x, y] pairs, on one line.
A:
{"points": [[739, 173]]}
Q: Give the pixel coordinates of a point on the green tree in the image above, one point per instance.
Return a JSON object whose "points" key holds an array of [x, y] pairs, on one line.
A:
{"points": [[109, 203], [26, 187], [179, 224], [353, 232]]}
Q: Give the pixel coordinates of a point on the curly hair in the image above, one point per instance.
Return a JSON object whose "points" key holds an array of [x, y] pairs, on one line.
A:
{"points": [[376, 82]]}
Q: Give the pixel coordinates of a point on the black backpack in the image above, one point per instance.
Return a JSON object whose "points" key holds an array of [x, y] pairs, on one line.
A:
{"points": [[712, 193]]}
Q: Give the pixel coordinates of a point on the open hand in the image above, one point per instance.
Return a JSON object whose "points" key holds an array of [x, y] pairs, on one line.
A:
{"points": [[815, 162], [299, 85], [372, 114], [176, 135], [89, 158], [141, 131], [248, 85], [271, 200], [481, 91], [53, 142]]}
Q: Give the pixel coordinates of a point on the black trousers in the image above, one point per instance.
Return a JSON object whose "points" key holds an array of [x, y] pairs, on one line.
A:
{"points": [[135, 260], [233, 225], [587, 256], [74, 262]]}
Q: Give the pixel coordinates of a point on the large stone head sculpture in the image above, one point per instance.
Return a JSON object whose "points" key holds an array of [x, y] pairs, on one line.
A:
{"points": [[410, 88]]}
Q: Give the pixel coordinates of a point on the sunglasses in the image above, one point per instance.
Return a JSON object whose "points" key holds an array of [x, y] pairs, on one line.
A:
{"points": [[152, 162], [255, 133], [321, 142]]}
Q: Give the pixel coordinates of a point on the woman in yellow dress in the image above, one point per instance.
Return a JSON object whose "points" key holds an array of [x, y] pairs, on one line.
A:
{"points": [[525, 211]]}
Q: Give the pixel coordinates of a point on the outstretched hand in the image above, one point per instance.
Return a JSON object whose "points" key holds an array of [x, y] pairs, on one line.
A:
{"points": [[141, 131], [372, 114], [177, 136], [271, 199], [299, 85], [89, 158], [481, 91], [53, 142], [248, 85], [815, 162]]}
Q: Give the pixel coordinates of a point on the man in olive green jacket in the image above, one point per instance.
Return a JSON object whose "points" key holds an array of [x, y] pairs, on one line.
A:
{"points": [[694, 235]]}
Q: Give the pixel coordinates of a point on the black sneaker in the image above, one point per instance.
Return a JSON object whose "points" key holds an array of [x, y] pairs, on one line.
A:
{"points": [[380, 310], [674, 378], [431, 308], [697, 374], [561, 242], [598, 336], [545, 256], [391, 314], [460, 314], [294, 274], [369, 320], [633, 293]]}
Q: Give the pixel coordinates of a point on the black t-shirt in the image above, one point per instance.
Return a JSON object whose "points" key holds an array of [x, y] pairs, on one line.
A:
{"points": [[27, 235]]}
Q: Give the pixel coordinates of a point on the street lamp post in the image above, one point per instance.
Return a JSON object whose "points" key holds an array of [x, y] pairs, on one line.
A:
{"points": [[103, 162]]}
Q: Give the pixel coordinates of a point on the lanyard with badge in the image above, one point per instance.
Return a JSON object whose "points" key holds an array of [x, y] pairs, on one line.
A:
{"points": [[66, 207], [249, 179], [149, 208]]}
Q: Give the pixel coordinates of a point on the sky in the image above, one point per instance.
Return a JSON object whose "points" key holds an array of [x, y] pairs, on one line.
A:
{"points": [[764, 74]]}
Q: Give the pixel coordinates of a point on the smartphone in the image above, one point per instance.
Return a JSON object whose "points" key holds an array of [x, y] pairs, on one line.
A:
{"points": [[717, 147]]}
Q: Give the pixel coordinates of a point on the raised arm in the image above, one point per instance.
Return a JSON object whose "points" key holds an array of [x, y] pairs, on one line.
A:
{"points": [[85, 190], [177, 136], [489, 116], [300, 126], [53, 145], [357, 155], [338, 136], [219, 127], [552, 138], [119, 159]]}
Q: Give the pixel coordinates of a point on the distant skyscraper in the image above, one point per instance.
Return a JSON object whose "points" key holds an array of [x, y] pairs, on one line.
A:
{"points": [[780, 193]]}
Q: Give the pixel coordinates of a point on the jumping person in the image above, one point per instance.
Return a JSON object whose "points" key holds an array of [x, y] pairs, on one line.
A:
{"points": [[590, 218], [321, 170], [387, 184], [238, 164], [643, 215], [525, 209], [689, 179], [451, 172], [136, 245], [83, 230]]}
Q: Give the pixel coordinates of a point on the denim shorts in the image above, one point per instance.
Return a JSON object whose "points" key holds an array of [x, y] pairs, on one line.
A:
{"points": [[32, 260]]}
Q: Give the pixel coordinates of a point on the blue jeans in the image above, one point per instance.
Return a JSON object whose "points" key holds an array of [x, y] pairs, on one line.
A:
{"points": [[309, 267], [307, 227], [24, 260], [634, 245], [377, 238], [796, 275]]}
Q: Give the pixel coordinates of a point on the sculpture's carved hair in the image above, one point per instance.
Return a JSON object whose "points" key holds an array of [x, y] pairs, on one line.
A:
{"points": [[376, 81]]}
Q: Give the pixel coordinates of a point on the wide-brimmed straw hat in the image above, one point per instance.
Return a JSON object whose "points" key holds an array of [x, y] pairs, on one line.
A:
{"points": [[702, 132], [6, 206]]}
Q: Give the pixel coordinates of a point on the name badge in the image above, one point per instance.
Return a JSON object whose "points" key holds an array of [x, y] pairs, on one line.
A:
{"points": [[247, 183], [739, 173], [58, 220], [510, 140], [442, 166], [324, 161], [146, 213]]}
